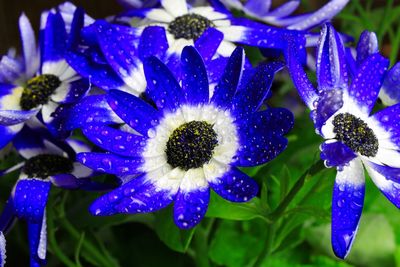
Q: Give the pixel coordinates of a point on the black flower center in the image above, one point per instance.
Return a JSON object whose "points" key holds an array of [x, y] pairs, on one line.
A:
{"points": [[38, 90], [189, 26], [191, 145], [356, 134], [45, 165]]}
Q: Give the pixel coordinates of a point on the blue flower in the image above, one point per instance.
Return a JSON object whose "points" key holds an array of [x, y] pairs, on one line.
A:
{"points": [[354, 138], [281, 16], [366, 46], [47, 162], [183, 24], [42, 82], [181, 141]]}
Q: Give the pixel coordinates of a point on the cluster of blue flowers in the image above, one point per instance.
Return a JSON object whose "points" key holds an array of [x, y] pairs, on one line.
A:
{"points": [[171, 106]]}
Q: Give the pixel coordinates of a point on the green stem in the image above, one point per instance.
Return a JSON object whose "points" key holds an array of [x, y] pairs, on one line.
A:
{"points": [[267, 249], [54, 245], [277, 213], [314, 169], [200, 240]]}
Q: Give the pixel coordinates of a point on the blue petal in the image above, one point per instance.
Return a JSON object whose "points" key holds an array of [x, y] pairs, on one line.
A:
{"points": [[366, 46], [387, 179], [389, 119], [110, 163], [12, 117], [37, 242], [91, 109], [30, 199], [7, 134], [329, 101], [76, 91], [228, 83], [275, 121], [195, 81], [208, 43], [331, 61], [29, 143], [53, 43], [347, 204], [30, 51], [116, 141], [258, 7], [366, 85], [235, 186], [101, 75], [10, 68], [299, 77], [258, 147], [336, 154], [119, 46], [8, 216], [390, 93], [153, 42], [215, 69], [78, 21], [162, 86], [190, 207], [66, 181], [251, 98], [137, 113], [285, 9], [135, 196]]}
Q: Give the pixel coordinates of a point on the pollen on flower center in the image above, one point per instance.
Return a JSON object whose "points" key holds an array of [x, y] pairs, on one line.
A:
{"points": [[45, 165], [191, 145], [356, 134], [189, 26], [38, 90]]}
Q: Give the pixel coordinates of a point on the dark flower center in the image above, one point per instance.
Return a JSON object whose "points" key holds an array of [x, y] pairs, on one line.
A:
{"points": [[189, 26], [356, 134], [191, 145], [38, 90], [45, 165]]}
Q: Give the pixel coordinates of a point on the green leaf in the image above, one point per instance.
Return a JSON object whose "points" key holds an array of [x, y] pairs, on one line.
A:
{"points": [[221, 208], [175, 238]]}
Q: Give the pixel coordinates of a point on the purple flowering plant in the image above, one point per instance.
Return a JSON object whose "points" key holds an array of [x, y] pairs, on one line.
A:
{"points": [[202, 133]]}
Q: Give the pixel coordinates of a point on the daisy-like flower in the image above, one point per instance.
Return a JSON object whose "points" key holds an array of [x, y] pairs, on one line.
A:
{"points": [[42, 83], [366, 46], [281, 16], [354, 138], [47, 162], [187, 142], [184, 24]]}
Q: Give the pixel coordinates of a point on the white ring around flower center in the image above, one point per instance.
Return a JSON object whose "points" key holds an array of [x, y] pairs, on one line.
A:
{"points": [[155, 165]]}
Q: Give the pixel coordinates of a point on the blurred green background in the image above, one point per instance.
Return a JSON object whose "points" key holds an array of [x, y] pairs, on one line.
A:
{"points": [[232, 235]]}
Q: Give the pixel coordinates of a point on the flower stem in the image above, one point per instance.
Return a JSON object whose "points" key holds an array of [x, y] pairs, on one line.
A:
{"points": [[277, 213], [200, 240]]}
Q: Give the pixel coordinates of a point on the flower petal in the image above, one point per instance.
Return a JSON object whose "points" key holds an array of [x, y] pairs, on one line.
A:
{"points": [[53, 44], [2, 250], [365, 86], [12, 117], [347, 204], [137, 113], [91, 109], [251, 98], [162, 86], [175, 7], [153, 42], [336, 154], [7, 133], [390, 93], [331, 61], [228, 83], [110, 163], [190, 207], [30, 199], [389, 120], [37, 233], [115, 141], [31, 53], [329, 101], [208, 43], [387, 179], [234, 186], [366, 46], [136, 196], [195, 80]]}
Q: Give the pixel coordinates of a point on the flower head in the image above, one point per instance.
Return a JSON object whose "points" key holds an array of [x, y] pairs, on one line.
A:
{"points": [[44, 82], [46, 162], [181, 141], [354, 138]]}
